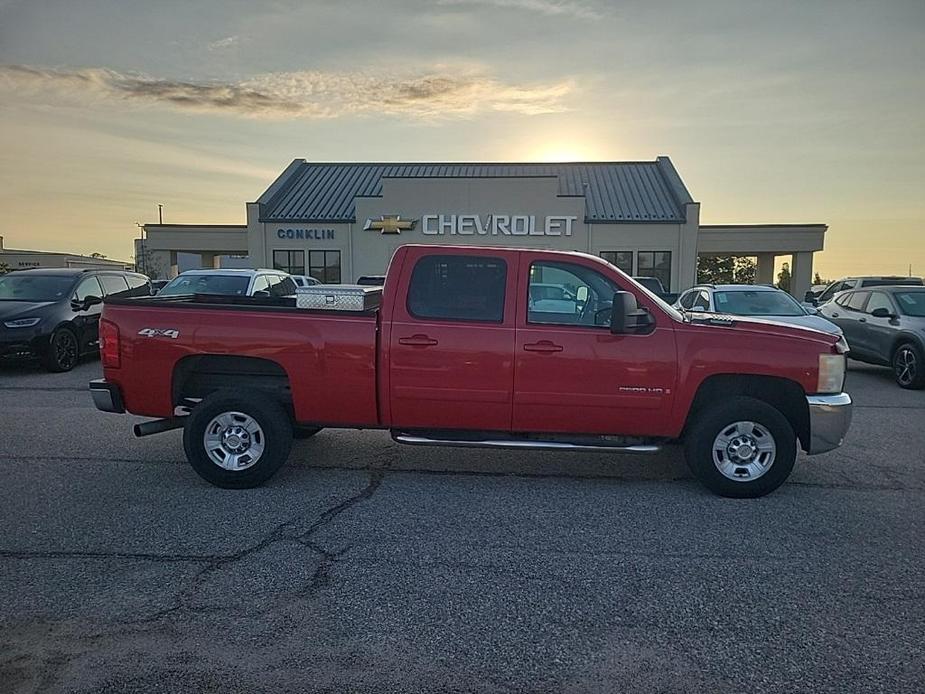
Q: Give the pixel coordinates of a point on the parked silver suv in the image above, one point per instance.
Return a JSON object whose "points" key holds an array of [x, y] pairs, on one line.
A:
{"points": [[884, 325], [845, 283]]}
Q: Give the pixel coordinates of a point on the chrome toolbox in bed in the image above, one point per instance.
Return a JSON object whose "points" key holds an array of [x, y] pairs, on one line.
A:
{"points": [[338, 297]]}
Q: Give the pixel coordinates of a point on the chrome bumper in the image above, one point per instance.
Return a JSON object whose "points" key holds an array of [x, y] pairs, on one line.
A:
{"points": [[106, 396], [829, 419]]}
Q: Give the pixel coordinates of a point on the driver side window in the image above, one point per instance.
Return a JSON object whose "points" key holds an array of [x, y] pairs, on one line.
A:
{"points": [[88, 287], [568, 294]]}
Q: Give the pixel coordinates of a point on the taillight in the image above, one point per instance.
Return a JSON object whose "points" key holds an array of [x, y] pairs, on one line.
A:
{"points": [[109, 344]]}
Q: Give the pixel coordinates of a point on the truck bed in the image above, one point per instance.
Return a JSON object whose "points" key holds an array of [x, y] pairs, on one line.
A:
{"points": [[329, 357]]}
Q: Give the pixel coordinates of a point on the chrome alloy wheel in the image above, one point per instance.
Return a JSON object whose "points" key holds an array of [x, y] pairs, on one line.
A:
{"points": [[904, 365], [744, 451], [234, 441]]}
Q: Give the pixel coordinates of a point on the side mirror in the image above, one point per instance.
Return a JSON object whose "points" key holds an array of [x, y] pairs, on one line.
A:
{"points": [[582, 294], [262, 293], [810, 297], [881, 313], [812, 310], [626, 317], [86, 303]]}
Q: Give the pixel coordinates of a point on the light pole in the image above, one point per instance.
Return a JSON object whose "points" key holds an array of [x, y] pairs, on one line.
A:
{"points": [[160, 213], [144, 249]]}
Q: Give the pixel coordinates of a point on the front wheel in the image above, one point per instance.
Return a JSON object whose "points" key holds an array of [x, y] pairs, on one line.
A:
{"points": [[741, 447], [237, 439], [63, 351], [909, 366]]}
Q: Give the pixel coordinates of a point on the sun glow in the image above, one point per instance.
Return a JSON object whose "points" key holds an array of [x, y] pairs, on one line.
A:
{"points": [[557, 152]]}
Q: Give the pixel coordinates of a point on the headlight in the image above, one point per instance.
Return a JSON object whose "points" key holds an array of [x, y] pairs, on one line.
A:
{"points": [[22, 322], [831, 373]]}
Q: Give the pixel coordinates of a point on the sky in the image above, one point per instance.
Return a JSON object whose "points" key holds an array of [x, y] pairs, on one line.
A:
{"points": [[772, 112]]}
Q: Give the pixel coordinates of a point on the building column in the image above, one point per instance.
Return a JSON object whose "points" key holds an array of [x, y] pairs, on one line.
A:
{"points": [[801, 274], [174, 266], [765, 274], [210, 261]]}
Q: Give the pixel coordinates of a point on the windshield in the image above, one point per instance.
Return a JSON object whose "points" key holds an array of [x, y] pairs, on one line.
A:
{"points": [[911, 303], [756, 303], [29, 287], [206, 284]]}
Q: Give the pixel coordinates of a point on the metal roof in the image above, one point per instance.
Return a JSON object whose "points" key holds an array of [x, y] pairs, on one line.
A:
{"points": [[646, 191]]}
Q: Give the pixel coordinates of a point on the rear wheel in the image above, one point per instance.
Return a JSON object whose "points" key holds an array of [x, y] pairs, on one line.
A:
{"points": [[237, 439], [63, 351], [909, 366], [741, 447]]}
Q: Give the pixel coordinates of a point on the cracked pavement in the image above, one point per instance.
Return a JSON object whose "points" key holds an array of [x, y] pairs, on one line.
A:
{"points": [[367, 566]]}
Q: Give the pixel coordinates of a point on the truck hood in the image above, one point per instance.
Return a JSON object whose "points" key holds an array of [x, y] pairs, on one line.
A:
{"points": [[10, 310], [813, 330]]}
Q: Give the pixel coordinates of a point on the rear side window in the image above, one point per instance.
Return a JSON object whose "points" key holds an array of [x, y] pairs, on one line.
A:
{"points": [[113, 284], [857, 301], [458, 287], [843, 299]]}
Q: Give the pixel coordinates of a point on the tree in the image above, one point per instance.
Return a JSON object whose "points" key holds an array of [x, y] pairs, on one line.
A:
{"points": [[97, 255], [726, 270], [818, 279], [783, 277], [4, 268]]}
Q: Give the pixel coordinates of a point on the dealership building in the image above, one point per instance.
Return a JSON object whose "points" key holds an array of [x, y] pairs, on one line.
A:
{"points": [[338, 221]]}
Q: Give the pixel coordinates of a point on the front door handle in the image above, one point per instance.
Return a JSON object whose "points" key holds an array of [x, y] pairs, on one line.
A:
{"points": [[834, 314], [417, 341], [862, 320], [544, 346]]}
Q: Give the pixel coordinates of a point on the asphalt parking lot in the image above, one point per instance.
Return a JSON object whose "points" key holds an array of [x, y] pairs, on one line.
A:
{"points": [[367, 566]]}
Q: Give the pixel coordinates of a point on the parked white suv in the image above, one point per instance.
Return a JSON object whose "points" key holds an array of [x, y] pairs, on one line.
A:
{"points": [[756, 300], [232, 282]]}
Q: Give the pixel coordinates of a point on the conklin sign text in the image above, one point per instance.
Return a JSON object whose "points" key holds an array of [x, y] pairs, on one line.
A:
{"points": [[316, 234], [496, 224]]}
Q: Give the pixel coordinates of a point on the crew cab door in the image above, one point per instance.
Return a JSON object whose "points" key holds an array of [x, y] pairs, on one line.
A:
{"points": [[451, 342], [571, 374]]}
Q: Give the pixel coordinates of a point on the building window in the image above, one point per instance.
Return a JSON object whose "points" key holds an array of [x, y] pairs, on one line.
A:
{"points": [[655, 264], [292, 262], [620, 259], [324, 266]]}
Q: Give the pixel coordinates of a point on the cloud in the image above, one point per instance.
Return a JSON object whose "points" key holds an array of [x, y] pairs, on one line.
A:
{"points": [[573, 8], [222, 44], [443, 93]]}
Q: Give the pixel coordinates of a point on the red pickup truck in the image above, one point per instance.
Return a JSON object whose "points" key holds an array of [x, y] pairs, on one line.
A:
{"points": [[476, 346]]}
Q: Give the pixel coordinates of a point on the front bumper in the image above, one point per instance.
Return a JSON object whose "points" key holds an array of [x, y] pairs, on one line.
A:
{"points": [[106, 396], [829, 419]]}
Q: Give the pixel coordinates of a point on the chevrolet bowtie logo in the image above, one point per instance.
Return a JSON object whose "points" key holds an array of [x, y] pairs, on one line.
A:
{"points": [[389, 224]]}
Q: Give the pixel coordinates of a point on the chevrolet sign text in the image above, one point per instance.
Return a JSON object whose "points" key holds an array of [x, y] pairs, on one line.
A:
{"points": [[495, 225]]}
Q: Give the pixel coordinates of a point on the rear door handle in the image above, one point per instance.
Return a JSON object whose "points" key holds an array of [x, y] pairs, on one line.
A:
{"points": [[862, 320], [834, 314], [544, 346], [417, 341]]}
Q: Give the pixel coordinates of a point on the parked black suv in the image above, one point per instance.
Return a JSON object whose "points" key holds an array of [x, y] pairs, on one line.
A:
{"points": [[54, 314]]}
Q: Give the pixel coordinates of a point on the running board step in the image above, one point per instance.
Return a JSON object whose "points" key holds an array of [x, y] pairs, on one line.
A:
{"points": [[535, 444]]}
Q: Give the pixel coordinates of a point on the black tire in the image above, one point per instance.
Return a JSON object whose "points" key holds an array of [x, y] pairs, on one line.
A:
{"points": [[63, 351], [275, 431], [718, 419], [304, 432], [909, 366]]}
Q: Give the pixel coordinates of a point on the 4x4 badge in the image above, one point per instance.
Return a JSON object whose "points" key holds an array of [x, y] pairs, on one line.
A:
{"points": [[159, 332]]}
